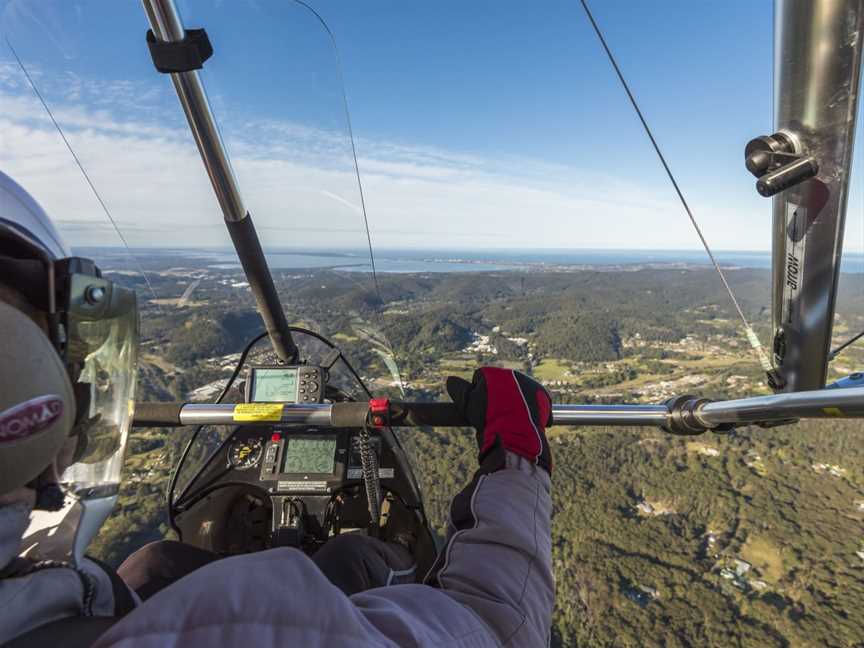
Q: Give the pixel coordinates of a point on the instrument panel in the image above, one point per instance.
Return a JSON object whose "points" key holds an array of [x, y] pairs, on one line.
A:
{"points": [[283, 486], [305, 463], [293, 461], [307, 481]]}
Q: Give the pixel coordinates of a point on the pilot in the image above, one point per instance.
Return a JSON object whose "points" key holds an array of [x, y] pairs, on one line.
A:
{"points": [[491, 585], [68, 340]]}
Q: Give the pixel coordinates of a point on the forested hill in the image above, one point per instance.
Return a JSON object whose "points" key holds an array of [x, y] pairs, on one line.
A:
{"points": [[752, 538], [649, 533]]}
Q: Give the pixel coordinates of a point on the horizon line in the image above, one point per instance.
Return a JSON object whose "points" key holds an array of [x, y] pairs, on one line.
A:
{"points": [[438, 249]]}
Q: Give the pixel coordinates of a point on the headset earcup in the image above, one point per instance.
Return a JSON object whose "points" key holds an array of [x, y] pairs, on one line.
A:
{"points": [[37, 403]]}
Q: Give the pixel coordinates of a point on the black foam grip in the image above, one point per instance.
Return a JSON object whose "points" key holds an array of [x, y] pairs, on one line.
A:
{"points": [[157, 414], [347, 415], [426, 414], [401, 414]]}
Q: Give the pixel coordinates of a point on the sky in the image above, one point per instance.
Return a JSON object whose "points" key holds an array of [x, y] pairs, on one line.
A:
{"points": [[477, 125]]}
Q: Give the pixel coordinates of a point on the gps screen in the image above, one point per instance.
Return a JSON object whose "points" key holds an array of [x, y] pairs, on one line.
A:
{"points": [[305, 455], [274, 385]]}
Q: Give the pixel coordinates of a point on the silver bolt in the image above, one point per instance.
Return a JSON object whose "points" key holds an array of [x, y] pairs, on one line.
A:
{"points": [[94, 294]]}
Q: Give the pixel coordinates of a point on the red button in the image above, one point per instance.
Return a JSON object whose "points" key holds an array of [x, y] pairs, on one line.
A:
{"points": [[276, 437]]}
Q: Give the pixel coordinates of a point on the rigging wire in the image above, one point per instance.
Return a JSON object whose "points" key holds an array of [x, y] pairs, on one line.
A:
{"points": [[83, 171], [351, 138], [332, 37], [836, 351], [752, 338], [847, 343]]}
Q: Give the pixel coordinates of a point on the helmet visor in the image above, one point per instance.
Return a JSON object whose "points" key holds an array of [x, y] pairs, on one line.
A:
{"points": [[101, 350]]}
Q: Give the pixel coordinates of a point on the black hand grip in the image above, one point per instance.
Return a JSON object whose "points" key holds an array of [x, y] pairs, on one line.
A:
{"points": [[402, 414], [426, 414], [157, 414], [345, 415]]}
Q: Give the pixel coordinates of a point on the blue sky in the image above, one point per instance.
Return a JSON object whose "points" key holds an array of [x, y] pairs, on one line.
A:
{"points": [[477, 124], [520, 78], [530, 78]]}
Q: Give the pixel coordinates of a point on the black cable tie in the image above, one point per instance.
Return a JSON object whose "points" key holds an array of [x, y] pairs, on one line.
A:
{"points": [[180, 56]]}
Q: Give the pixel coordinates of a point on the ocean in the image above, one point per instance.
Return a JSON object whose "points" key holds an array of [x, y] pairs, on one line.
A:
{"points": [[424, 261]]}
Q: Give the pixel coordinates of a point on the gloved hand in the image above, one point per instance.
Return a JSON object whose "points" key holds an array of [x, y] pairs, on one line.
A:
{"points": [[507, 409]]}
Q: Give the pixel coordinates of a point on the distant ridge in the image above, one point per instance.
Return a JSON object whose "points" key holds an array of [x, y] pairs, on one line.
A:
{"points": [[453, 260]]}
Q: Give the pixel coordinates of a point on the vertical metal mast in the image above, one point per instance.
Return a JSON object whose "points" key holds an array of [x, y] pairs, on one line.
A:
{"points": [[168, 27], [818, 45]]}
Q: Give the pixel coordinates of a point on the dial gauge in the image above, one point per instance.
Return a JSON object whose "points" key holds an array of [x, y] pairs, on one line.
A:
{"points": [[245, 454]]}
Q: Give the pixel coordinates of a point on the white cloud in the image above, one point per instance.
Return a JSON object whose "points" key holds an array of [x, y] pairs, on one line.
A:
{"points": [[299, 183]]}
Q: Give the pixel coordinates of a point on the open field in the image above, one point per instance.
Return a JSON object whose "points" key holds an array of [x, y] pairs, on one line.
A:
{"points": [[551, 369]]}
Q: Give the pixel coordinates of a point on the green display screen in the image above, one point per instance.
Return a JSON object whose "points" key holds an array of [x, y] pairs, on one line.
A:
{"points": [[276, 385], [305, 455]]}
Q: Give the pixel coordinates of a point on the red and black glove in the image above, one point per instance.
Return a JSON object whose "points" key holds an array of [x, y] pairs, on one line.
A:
{"points": [[508, 409]]}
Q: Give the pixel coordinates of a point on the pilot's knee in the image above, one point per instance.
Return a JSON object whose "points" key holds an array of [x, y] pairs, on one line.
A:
{"points": [[158, 564], [344, 549]]}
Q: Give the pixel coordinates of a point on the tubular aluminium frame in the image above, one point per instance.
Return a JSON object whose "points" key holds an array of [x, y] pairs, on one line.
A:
{"points": [[818, 67], [818, 51], [167, 26], [704, 415]]}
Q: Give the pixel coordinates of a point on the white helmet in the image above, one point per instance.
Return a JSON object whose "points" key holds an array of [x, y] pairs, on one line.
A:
{"points": [[68, 344], [23, 215]]}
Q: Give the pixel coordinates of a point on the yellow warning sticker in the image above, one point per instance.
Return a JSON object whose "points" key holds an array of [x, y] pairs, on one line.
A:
{"points": [[832, 411], [246, 412]]}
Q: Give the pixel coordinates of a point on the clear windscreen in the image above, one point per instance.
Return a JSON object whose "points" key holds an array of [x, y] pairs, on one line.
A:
{"points": [[524, 221], [98, 136], [278, 99]]}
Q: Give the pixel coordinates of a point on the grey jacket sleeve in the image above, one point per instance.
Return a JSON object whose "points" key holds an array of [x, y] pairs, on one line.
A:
{"points": [[498, 557], [492, 587]]}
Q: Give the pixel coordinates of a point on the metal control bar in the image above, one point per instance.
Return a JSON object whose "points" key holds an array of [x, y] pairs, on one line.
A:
{"points": [[822, 403], [638, 415], [354, 414], [683, 415], [167, 27]]}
